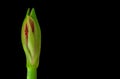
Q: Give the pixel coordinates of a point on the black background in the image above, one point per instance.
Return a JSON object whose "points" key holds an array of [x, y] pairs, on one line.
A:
{"points": [[74, 39], [57, 39]]}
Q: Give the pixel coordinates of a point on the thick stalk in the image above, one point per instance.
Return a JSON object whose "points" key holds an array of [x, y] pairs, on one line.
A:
{"points": [[31, 73]]}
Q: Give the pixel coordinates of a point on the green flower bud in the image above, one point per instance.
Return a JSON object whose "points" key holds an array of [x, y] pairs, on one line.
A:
{"points": [[31, 38]]}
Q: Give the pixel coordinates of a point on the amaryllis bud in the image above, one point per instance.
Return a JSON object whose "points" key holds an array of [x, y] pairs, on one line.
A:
{"points": [[31, 38]]}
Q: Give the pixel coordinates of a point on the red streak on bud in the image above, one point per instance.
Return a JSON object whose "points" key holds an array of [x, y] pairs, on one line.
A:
{"points": [[26, 33], [31, 24]]}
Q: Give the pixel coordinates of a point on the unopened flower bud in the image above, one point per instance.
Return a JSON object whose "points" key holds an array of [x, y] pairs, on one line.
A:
{"points": [[31, 38]]}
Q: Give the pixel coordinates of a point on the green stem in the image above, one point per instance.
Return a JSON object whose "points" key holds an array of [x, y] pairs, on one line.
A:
{"points": [[31, 73]]}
